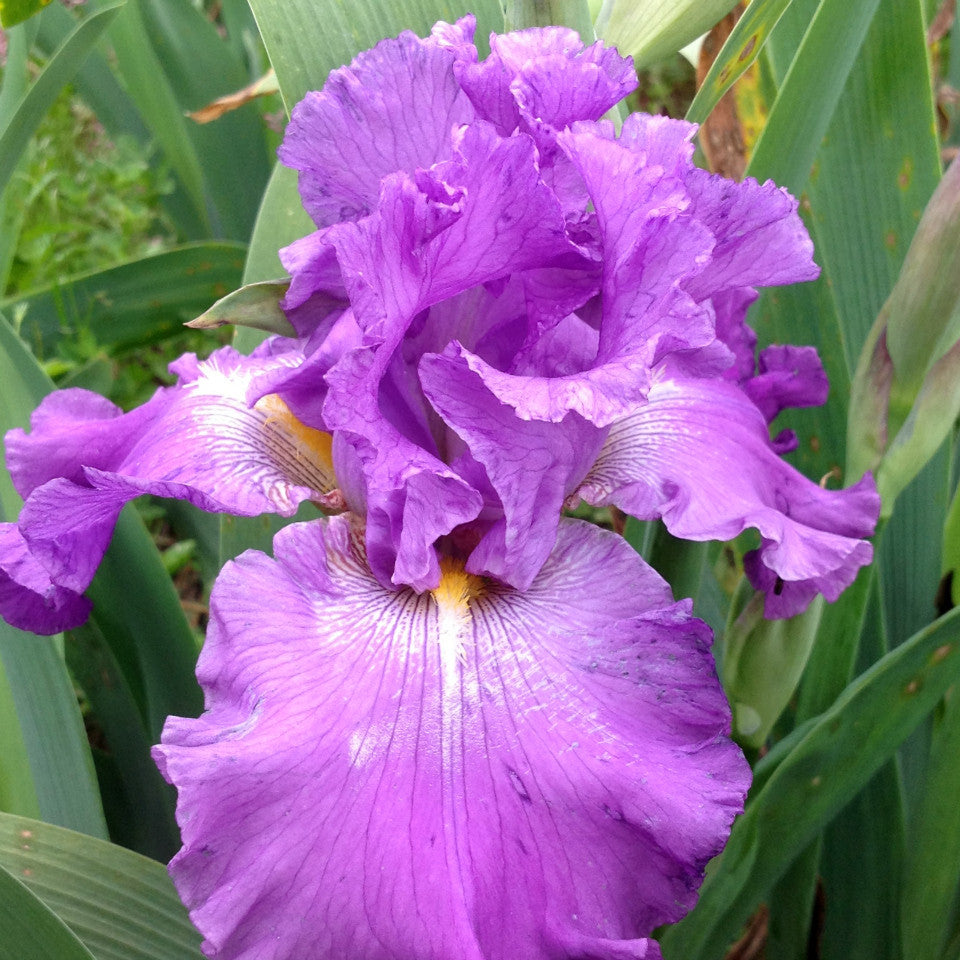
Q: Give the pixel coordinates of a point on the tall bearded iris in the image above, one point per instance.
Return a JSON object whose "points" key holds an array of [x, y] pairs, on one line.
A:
{"points": [[449, 724]]}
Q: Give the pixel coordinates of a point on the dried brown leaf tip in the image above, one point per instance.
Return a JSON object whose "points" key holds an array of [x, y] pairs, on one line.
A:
{"points": [[263, 87]]}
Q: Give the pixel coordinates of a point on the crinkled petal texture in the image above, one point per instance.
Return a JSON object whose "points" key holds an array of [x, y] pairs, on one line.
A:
{"points": [[698, 454], [200, 441], [392, 109], [472, 773], [495, 329]]}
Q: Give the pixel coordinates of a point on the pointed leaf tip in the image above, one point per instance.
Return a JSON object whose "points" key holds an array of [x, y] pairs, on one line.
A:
{"points": [[256, 305]]}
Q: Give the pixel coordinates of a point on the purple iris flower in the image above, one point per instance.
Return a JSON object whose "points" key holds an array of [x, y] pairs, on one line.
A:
{"points": [[449, 723]]}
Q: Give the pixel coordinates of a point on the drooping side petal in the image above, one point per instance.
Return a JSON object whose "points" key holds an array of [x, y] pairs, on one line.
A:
{"points": [[392, 109], [198, 441], [28, 599], [698, 455], [469, 774]]}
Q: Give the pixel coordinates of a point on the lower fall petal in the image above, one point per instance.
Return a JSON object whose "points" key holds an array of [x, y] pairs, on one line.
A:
{"points": [[471, 773]]}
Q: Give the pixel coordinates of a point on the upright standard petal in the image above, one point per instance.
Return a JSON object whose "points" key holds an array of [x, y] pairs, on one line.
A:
{"points": [[471, 221], [468, 774], [698, 454], [394, 108], [546, 77]]}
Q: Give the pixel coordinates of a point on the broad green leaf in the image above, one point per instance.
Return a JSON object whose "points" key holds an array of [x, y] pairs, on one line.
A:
{"points": [[17, 791], [741, 48], [14, 81], [138, 802], [306, 39], [13, 12], [810, 92], [120, 905], [650, 30], [833, 660], [281, 220], [791, 903], [146, 84], [877, 169], [138, 611], [46, 88], [951, 548], [12, 89], [933, 849], [254, 305], [53, 734], [825, 769], [199, 67], [863, 851], [860, 869], [58, 767], [831, 665], [31, 931], [134, 303]]}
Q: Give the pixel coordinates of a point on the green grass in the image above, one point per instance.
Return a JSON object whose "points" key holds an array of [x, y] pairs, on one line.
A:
{"points": [[89, 202]]}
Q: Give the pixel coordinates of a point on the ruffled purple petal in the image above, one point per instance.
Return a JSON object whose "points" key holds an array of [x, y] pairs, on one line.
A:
{"points": [[546, 76], [471, 774], [532, 466], [199, 441], [650, 250], [28, 599], [393, 108], [698, 455], [787, 377], [469, 222], [760, 238]]}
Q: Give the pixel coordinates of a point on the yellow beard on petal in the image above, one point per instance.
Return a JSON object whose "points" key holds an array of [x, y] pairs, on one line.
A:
{"points": [[313, 449], [452, 596]]}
